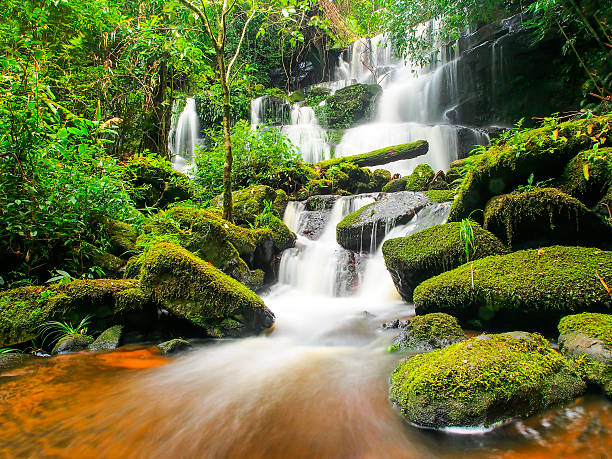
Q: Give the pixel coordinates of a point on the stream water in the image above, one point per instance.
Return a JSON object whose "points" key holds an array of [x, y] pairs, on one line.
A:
{"points": [[315, 387]]}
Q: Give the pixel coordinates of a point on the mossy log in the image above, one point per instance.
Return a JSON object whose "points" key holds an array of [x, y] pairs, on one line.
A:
{"points": [[381, 156]]}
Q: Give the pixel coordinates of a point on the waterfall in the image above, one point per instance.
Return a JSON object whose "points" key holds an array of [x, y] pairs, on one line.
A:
{"points": [[306, 134], [321, 266], [186, 137]]}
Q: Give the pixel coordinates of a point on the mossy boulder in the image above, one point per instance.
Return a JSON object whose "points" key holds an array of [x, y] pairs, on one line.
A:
{"points": [[586, 339], [364, 229], [72, 343], [532, 289], [395, 185], [438, 182], [121, 236], [280, 202], [420, 178], [483, 380], [349, 106], [545, 216], [108, 339], [543, 152], [588, 176], [352, 178], [432, 251], [381, 177], [25, 309], [154, 183], [429, 332], [248, 202], [196, 291], [174, 345]]}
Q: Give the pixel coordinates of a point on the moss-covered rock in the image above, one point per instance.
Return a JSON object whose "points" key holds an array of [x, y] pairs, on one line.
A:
{"points": [[545, 216], [174, 345], [248, 202], [108, 339], [530, 288], [72, 343], [352, 178], [121, 236], [543, 152], [154, 183], [483, 380], [365, 228], [432, 251], [420, 178], [395, 185], [429, 332], [280, 202], [438, 182], [192, 289], [24, 310], [588, 176], [381, 177], [440, 195], [586, 339], [349, 106]]}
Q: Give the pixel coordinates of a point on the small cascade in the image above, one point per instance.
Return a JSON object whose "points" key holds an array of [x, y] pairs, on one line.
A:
{"points": [[306, 134], [186, 138], [268, 110], [375, 281], [321, 266]]}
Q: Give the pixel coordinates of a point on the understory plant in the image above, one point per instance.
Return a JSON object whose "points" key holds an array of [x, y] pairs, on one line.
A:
{"points": [[57, 331]]}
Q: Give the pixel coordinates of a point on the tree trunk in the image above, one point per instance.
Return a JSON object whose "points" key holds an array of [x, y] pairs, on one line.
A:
{"points": [[227, 141]]}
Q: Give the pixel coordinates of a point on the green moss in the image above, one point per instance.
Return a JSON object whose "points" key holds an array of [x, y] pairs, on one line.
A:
{"points": [[529, 288], [543, 152], [381, 177], [25, 309], [432, 251], [380, 156], [483, 380], [588, 175], [440, 195], [108, 339], [428, 332], [277, 232], [395, 185], [349, 106], [593, 325], [420, 178], [154, 183], [122, 236], [174, 345], [544, 216], [248, 202], [280, 202], [193, 289]]}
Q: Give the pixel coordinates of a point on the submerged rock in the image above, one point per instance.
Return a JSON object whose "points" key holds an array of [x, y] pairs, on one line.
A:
{"points": [[586, 339], [543, 152], [174, 345], [483, 380], [530, 288], [365, 228], [545, 216], [194, 290], [429, 332], [11, 360], [108, 339], [432, 251], [72, 343]]}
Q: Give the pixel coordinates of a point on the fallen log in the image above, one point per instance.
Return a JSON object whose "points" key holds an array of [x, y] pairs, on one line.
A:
{"points": [[379, 157]]}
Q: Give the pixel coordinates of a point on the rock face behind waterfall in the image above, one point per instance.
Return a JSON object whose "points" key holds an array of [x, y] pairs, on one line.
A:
{"points": [[365, 228], [483, 380]]}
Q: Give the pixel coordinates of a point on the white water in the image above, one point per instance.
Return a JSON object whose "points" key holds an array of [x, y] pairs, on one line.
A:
{"points": [[186, 136], [306, 134]]}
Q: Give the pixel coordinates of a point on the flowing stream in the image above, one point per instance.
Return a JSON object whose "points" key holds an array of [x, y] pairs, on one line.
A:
{"points": [[315, 387]]}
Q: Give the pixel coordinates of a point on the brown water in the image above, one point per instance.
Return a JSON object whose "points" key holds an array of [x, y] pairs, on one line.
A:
{"points": [[319, 394]]}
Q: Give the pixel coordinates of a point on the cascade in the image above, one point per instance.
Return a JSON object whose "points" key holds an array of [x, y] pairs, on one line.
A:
{"points": [[186, 138], [306, 134]]}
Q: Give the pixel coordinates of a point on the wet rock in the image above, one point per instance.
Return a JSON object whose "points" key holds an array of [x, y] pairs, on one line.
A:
{"points": [[429, 332], [349, 106], [545, 216], [174, 345], [72, 343], [321, 202], [432, 251], [365, 228], [13, 360], [108, 339], [312, 223], [586, 339], [395, 185], [483, 380]]}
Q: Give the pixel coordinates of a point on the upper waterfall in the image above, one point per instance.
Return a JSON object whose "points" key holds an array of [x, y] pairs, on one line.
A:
{"points": [[185, 138]]}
